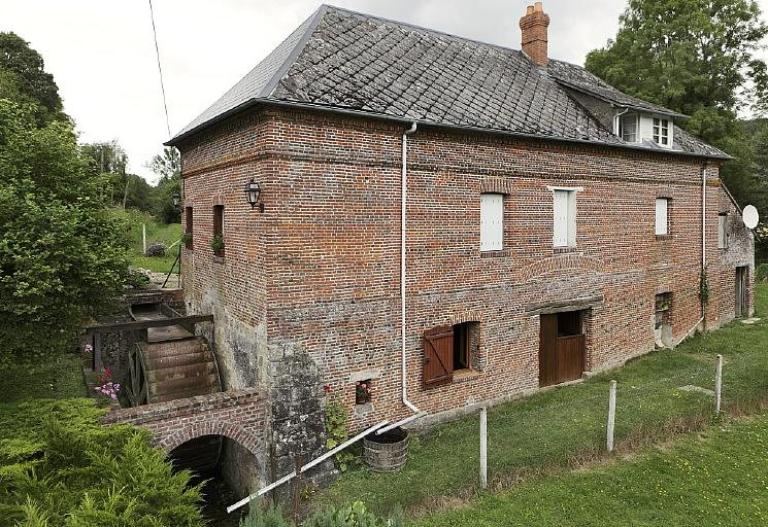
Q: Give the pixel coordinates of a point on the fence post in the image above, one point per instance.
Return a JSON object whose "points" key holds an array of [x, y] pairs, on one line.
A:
{"points": [[611, 415], [144, 238], [484, 448], [719, 384]]}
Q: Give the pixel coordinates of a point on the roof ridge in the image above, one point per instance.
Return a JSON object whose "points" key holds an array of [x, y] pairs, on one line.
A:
{"points": [[421, 28]]}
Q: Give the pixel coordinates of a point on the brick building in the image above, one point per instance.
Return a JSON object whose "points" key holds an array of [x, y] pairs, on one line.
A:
{"points": [[552, 225]]}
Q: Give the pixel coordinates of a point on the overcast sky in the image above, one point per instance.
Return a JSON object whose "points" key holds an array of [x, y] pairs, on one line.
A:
{"points": [[102, 54]]}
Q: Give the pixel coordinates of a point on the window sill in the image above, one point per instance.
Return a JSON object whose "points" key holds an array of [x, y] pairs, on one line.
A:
{"points": [[495, 254], [218, 259], [465, 375], [362, 410], [562, 250], [661, 237]]}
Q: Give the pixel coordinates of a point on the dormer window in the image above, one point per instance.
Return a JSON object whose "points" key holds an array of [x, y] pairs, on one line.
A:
{"points": [[661, 132], [628, 127]]}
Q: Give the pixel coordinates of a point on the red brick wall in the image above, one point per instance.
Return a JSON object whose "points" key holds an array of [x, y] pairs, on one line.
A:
{"points": [[318, 271]]}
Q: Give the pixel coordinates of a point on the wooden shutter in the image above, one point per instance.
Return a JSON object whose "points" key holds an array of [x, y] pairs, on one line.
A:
{"points": [[661, 216], [491, 222], [561, 218], [438, 356]]}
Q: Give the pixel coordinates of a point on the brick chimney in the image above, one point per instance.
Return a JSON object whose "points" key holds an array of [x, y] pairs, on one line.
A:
{"points": [[534, 32]]}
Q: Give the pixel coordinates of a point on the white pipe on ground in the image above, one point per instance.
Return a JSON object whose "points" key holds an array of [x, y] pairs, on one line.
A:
{"points": [[403, 275], [304, 468]]}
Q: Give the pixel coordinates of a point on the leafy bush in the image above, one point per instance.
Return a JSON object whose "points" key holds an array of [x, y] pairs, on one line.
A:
{"points": [[60, 466], [136, 279], [761, 273], [62, 251], [157, 249], [354, 515], [336, 418], [269, 517], [217, 244]]}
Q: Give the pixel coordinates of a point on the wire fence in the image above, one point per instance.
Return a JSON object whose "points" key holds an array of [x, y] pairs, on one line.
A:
{"points": [[579, 423]]}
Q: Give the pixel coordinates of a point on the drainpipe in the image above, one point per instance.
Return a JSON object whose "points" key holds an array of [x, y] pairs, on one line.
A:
{"points": [[403, 275], [703, 231]]}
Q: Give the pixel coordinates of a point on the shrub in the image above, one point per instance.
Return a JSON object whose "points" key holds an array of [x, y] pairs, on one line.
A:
{"points": [[217, 244], [60, 466], [136, 279], [761, 273], [156, 249], [354, 515], [269, 517]]}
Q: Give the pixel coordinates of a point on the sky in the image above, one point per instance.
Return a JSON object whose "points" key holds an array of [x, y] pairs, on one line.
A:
{"points": [[102, 54]]}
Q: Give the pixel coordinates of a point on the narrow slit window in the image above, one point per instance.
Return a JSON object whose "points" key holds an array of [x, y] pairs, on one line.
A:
{"points": [[662, 216], [491, 222], [722, 232], [188, 228], [564, 221], [217, 243]]}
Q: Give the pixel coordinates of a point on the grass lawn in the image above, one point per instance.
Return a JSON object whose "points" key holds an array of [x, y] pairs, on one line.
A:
{"points": [[58, 378], [156, 232], [565, 427], [716, 478]]}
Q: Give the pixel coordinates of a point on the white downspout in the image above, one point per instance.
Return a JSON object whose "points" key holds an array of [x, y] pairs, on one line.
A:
{"points": [[403, 275], [704, 217]]}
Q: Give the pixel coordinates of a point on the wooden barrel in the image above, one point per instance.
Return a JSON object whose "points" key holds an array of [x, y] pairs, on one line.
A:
{"points": [[387, 452]]}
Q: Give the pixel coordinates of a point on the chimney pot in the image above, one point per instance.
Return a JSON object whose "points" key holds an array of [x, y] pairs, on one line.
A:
{"points": [[534, 26]]}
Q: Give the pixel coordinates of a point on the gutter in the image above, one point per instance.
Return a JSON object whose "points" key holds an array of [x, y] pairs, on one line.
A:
{"points": [[403, 278], [422, 122]]}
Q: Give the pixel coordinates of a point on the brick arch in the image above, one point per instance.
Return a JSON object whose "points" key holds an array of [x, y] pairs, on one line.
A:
{"points": [[210, 428], [565, 263]]}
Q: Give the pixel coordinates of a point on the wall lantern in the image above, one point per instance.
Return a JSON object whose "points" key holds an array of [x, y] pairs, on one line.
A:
{"points": [[176, 198], [252, 192]]}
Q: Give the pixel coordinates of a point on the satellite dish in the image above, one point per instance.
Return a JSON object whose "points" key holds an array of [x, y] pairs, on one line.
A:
{"points": [[750, 216]]}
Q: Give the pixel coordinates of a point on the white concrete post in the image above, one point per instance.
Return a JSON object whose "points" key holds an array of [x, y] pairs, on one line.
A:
{"points": [[719, 384], [611, 415], [484, 448], [144, 238]]}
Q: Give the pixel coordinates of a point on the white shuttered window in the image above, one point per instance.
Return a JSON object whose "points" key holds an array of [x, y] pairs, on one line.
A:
{"points": [[564, 227], [491, 222], [662, 216], [722, 234]]}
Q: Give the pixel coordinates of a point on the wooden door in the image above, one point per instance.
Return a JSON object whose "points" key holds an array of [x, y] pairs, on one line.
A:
{"points": [[741, 292], [562, 358]]}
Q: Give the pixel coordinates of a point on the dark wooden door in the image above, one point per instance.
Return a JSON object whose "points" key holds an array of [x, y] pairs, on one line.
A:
{"points": [[741, 292], [561, 358]]}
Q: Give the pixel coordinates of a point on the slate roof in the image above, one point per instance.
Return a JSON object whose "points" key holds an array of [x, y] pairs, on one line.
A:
{"points": [[342, 60]]}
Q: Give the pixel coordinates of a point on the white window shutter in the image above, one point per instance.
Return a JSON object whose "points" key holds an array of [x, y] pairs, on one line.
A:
{"points": [[491, 222], [722, 239], [561, 218], [661, 216]]}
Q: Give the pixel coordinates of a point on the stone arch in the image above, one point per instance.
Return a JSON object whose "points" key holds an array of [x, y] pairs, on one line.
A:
{"points": [[229, 430]]}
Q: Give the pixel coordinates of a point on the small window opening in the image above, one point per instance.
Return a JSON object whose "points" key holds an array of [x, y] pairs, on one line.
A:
{"points": [[188, 228], [628, 127], [662, 320], [363, 392], [722, 231], [465, 344], [661, 131], [569, 324], [217, 243]]}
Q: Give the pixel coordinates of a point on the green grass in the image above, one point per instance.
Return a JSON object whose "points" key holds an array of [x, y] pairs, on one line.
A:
{"points": [[167, 234], [56, 378], [565, 427], [716, 479]]}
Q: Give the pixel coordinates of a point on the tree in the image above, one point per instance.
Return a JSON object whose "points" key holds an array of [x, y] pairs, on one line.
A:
{"points": [[688, 55], [168, 167], [697, 57], [23, 78], [62, 251]]}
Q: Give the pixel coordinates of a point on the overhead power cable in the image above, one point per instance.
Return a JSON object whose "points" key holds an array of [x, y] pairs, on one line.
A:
{"points": [[159, 68]]}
